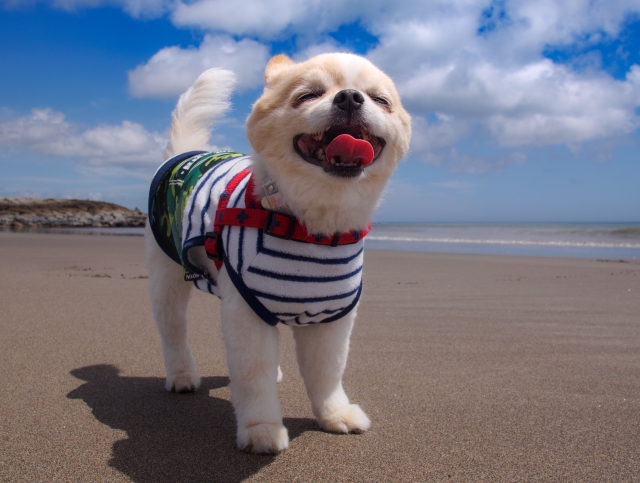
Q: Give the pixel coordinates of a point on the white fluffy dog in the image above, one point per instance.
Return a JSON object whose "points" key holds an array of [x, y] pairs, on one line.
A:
{"points": [[329, 187]]}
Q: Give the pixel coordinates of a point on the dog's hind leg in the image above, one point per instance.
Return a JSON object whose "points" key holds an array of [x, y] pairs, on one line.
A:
{"points": [[322, 356], [252, 357], [169, 295]]}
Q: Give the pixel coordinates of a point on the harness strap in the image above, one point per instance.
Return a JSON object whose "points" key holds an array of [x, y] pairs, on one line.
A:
{"points": [[273, 223], [282, 225], [213, 240]]}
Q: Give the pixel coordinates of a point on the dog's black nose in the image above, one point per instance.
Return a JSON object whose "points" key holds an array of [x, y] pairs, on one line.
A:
{"points": [[348, 100]]}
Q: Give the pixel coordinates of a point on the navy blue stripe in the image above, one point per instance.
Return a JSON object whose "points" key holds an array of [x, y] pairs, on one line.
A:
{"points": [[349, 308], [225, 248], [301, 258], [259, 245], [300, 278], [260, 310], [324, 312], [241, 194], [195, 194], [240, 245], [241, 236], [343, 313], [194, 242], [205, 208], [208, 287], [331, 311], [294, 300]]}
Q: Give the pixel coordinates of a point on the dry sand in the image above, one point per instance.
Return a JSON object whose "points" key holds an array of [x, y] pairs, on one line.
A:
{"points": [[472, 368]]}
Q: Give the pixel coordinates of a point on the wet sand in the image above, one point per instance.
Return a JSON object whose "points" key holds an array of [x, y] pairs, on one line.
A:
{"points": [[471, 367]]}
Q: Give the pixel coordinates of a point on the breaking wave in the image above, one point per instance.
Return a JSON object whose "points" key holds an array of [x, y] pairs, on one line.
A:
{"points": [[492, 241]]}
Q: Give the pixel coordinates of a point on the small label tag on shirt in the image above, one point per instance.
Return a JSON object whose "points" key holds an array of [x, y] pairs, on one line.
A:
{"points": [[192, 277]]}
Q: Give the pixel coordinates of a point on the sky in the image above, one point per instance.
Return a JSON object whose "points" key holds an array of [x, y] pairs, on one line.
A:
{"points": [[522, 111]]}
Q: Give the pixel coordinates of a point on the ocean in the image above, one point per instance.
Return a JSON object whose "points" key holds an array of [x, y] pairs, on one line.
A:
{"points": [[582, 240]]}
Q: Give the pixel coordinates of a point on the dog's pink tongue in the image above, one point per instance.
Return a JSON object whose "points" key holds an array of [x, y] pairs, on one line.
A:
{"points": [[350, 150]]}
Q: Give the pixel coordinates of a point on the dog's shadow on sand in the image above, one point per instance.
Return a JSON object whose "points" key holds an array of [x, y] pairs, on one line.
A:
{"points": [[171, 437]]}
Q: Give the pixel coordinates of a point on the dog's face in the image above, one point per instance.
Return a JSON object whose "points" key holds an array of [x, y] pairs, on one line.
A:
{"points": [[331, 131]]}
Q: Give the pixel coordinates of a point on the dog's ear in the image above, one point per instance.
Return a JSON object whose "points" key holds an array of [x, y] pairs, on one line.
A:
{"points": [[275, 65]]}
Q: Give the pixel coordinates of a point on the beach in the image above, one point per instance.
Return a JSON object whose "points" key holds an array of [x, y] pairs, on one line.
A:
{"points": [[471, 368]]}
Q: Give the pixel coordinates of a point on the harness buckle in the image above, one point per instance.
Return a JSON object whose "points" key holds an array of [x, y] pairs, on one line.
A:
{"points": [[291, 224], [213, 246]]}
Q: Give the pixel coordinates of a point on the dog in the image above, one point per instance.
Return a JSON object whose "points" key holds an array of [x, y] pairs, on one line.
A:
{"points": [[326, 135]]}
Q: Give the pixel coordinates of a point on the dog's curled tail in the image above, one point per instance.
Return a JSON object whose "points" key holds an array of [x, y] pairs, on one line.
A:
{"points": [[196, 110]]}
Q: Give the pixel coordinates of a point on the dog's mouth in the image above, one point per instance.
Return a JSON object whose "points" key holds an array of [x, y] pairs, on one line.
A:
{"points": [[340, 150]]}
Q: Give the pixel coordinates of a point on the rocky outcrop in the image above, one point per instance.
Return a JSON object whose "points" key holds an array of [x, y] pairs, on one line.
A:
{"points": [[37, 212]]}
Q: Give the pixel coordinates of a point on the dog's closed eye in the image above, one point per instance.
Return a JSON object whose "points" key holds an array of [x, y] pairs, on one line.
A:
{"points": [[382, 101], [308, 96]]}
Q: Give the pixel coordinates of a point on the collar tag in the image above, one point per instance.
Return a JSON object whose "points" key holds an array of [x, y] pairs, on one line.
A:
{"points": [[273, 199]]}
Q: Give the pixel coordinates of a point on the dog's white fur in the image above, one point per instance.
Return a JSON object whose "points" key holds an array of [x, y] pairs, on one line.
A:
{"points": [[325, 203]]}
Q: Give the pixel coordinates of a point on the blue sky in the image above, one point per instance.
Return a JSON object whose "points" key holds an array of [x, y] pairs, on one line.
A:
{"points": [[522, 111]]}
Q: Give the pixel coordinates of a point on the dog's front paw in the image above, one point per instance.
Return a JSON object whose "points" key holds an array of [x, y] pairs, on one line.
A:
{"points": [[347, 419], [183, 382], [263, 438]]}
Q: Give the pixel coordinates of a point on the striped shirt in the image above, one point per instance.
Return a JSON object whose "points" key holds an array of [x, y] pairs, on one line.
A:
{"points": [[283, 281]]}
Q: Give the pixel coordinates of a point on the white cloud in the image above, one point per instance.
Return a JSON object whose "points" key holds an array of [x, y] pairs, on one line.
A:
{"points": [[243, 17], [441, 134], [173, 70], [538, 23], [536, 104], [561, 22], [476, 65], [499, 83], [268, 20], [45, 131], [317, 49]]}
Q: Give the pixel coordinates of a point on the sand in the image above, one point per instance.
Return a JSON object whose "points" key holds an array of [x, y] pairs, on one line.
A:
{"points": [[472, 368]]}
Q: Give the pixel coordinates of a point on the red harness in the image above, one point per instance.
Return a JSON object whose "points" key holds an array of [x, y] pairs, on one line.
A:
{"points": [[273, 223]]}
